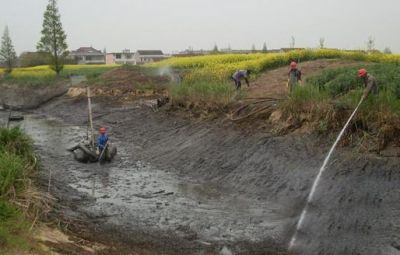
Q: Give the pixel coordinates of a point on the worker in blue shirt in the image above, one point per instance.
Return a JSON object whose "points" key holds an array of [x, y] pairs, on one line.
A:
{"points": [[240, 75], [102, 140]]}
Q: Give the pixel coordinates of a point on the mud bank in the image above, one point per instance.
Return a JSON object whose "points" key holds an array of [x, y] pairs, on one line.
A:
{"points": [[179, 187], [23, 97]]}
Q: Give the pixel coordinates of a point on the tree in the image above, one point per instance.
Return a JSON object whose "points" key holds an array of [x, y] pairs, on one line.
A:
{"points": [[7, 53], [229, 47], [215, 49], [387, 50], [190, 50], [53, 38], [370, 43], [292, 42], [27, 59], [253, 48], [265, 49], [321, 43]]}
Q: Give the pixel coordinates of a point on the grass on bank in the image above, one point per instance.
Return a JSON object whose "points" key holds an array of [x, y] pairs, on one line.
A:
{"points": [[326, 99], [19, 202], [205, 95]]}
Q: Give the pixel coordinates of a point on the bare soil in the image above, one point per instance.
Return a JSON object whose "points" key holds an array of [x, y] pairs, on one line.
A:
{"points": [[273, 83], [266, 91]]}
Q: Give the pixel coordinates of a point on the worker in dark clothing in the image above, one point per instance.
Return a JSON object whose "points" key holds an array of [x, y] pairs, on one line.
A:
{"points": [[102, 140], [238, 76], [294, 76], [370, 83]]}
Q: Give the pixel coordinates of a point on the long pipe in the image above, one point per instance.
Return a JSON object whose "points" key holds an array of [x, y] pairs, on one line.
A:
{"points": [[318, 178], [90, 116]]}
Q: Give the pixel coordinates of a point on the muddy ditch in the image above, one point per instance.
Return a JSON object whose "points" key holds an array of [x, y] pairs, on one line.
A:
{"points": [[180, 187]]}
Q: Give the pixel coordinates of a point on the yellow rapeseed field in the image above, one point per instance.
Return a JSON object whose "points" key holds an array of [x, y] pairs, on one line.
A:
{"points": [[45, 71], [220, 67]]}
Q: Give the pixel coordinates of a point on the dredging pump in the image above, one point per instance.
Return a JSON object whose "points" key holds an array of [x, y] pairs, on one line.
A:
{"points": [[86, 151]]}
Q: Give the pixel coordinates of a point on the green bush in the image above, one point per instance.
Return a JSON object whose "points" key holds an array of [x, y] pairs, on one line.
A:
{"points": [[337, 81], [16, 160], [323, 98], [14, 141], [6, 211], [11, 172]]}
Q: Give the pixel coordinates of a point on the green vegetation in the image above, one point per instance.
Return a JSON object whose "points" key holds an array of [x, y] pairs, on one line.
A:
{"points": [[8, 57], [17, 202], [220, 67], [326, 99], [202, 73], [203, 94], [14, 229], [54, 39]]}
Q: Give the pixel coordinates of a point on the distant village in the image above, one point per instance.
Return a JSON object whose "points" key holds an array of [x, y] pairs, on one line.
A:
{"points": [[91, 55]]}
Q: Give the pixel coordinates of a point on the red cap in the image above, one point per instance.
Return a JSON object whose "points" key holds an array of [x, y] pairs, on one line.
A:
{"points": [[102, 130], [362, 73], [293, 65]]}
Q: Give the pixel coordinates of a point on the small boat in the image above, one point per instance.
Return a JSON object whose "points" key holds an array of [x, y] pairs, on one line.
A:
{"points": [[85, 151], [16, 118]]}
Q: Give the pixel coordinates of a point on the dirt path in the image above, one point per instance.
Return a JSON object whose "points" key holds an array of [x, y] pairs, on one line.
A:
{"points": [[273, 83]]}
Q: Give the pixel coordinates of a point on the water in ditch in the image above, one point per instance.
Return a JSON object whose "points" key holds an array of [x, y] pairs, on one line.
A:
{"points": [[134, 194]]}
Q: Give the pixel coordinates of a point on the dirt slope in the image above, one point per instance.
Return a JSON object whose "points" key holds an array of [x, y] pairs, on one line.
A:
{"points": [[179, 187], [273, 83]]}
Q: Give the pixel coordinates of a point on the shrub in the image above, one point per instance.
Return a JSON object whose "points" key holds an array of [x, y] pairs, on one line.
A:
{"points": [[11, 171], [16, 142]]}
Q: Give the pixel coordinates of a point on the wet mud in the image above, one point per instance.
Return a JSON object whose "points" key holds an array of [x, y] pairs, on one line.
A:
{"points": [[182, 187]]}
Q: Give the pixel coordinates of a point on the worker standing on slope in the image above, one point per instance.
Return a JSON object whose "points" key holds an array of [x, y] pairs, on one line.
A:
{"points": [[102, 140], [238, 76], [294, 76], [370, 83]]}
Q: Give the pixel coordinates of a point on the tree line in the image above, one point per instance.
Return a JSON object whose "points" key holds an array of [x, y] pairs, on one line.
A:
{"points": [[52, 47]]}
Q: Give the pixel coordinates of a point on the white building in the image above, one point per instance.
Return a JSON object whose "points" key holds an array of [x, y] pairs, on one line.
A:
{"points": [[138, 58], [87, 55], [122, 58], [148, 56]]}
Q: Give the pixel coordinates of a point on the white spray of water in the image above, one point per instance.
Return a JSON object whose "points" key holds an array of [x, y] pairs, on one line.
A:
{"points": [[317, 179], [168, 71]]}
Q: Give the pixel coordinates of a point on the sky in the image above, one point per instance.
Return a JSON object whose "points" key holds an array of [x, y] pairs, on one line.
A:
{"points": [[173, 25]]}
